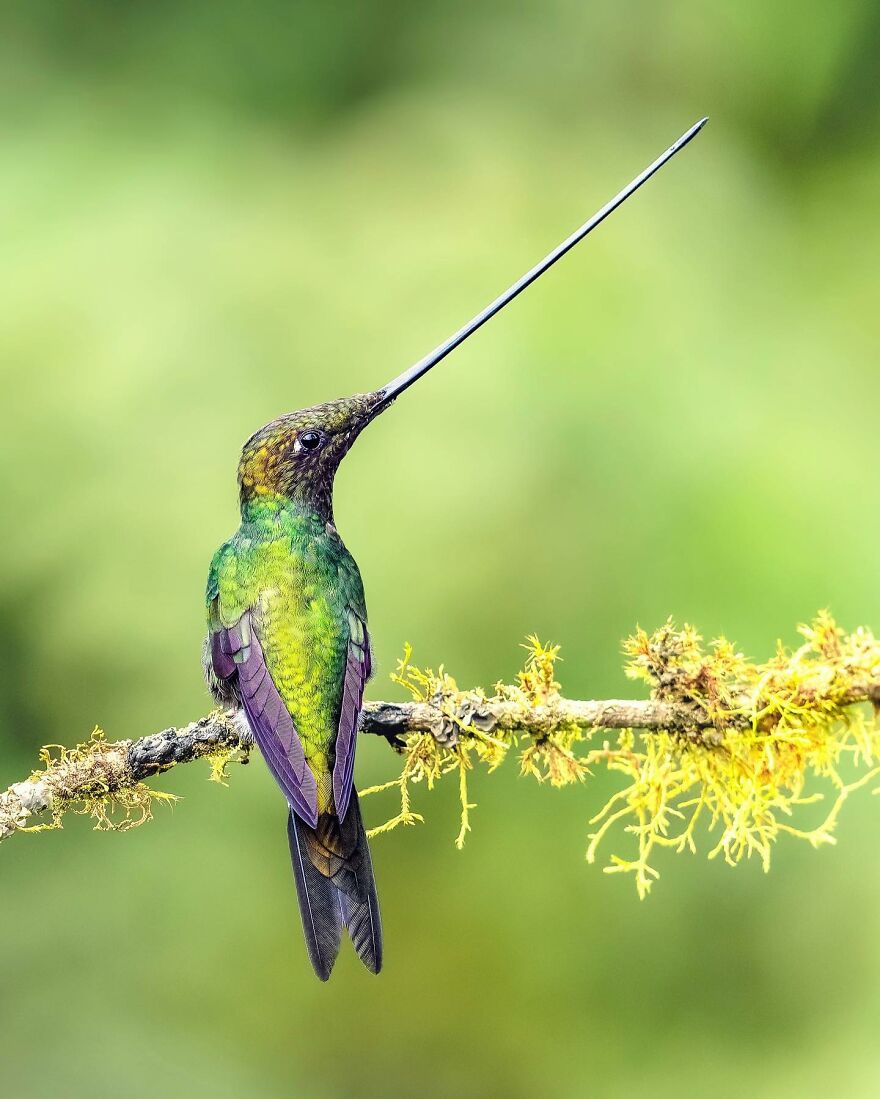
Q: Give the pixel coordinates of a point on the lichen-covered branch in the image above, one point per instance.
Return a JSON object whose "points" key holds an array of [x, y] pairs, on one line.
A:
{"points": [[109, 775], [721, 744]]}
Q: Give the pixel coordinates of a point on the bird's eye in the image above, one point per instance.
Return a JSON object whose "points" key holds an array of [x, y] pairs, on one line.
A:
{"points": [[310, 440]]}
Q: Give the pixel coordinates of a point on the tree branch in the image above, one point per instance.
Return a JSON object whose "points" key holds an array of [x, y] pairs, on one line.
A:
{"points": [[107, 768], [102, 769], [742, 749]]}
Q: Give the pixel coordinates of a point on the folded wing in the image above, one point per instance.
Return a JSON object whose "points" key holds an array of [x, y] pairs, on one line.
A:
{"points": [[236, 652], [357, 672]]}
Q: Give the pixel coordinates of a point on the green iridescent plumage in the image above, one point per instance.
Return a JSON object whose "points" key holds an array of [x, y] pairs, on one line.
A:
{"points": [[288, 646], [292, 566]]}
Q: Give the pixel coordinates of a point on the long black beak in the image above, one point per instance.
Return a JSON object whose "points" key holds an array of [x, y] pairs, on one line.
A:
{"points": [[394, 388]]}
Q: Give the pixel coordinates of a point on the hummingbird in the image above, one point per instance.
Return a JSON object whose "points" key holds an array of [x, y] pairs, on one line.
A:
{"points": [[288, 647]]}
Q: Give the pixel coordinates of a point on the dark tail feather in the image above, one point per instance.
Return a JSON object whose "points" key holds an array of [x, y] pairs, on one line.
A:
{"points": [[318, 906], [334, 882], [360, 906]]}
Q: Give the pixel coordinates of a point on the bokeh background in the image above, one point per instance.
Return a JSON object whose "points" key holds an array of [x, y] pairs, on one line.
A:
{"points": [[211, 213]]}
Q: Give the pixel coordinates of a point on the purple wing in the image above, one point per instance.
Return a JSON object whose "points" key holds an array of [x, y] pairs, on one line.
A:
{"points": [[237, 649], [357, 672]]}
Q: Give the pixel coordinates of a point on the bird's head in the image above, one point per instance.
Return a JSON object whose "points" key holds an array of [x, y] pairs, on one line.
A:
{"points": [[296, 456]]}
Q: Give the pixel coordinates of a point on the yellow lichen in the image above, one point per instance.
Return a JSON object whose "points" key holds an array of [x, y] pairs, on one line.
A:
{"points": [[766, 740], [90, 779], [219, 760], [427, 759], [785, 734]]}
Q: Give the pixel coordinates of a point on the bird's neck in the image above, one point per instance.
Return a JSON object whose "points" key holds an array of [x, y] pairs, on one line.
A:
{"points": [[274, 509], [309, 493]]}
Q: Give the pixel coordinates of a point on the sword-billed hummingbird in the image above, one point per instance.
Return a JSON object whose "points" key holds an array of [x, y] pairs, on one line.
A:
{"points": [[288, 646]]}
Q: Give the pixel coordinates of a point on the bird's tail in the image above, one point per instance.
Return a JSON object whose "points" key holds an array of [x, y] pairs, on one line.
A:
{"points": [[334, 882]]}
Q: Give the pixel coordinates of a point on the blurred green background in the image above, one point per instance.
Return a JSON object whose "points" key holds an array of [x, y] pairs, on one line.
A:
{"points": [[214, 212]]}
